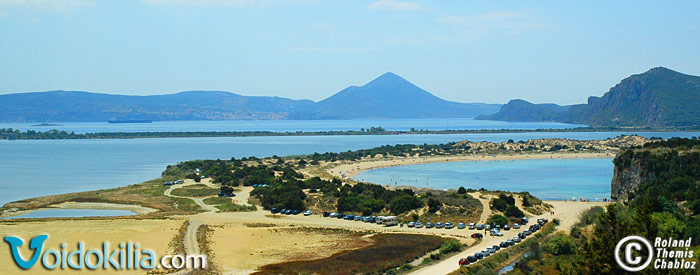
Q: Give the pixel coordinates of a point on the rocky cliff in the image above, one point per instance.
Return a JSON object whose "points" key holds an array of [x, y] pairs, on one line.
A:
{"points": [[627, 178]]}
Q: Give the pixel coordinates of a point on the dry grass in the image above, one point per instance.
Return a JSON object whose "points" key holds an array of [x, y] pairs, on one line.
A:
{"points": [[388, 251]]}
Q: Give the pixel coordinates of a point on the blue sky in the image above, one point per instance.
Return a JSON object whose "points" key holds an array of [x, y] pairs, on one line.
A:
{"points": [[467, 51]]}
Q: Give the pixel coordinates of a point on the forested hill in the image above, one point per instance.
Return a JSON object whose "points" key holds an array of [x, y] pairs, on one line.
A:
{"points": [[659, 97]]}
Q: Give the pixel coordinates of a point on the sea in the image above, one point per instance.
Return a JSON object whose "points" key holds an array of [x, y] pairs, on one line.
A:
{"points": [[31, 168]]}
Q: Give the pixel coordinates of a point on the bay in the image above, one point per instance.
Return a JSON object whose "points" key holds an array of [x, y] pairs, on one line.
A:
{"points": [[551, 179]]}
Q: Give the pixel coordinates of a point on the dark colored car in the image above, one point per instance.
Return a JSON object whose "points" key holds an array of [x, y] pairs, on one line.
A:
{"points": [[274, 210], [340, 216], [506, 227], [523, 220], [510, 242], [429, 225], [350, 217], [479, 227], [479, 255], [326, 214], [522, 235], [477, 235], [296, 212], [471, 259], [504, 244], [495, 247]]}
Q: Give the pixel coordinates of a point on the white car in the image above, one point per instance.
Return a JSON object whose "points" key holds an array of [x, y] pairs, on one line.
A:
{"points": [[308, 213], [472, 226], [516, 226], [496, 232]]}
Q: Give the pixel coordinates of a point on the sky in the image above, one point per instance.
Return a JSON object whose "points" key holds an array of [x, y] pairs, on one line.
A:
{"points": [[465, 51]]}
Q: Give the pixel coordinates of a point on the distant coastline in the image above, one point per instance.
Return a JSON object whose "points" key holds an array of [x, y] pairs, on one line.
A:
{"points": [[12, 134]]}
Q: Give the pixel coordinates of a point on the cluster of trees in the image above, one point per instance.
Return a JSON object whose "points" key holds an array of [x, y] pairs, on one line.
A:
{"points": [[506, 204], [373, 198], [399, 150]]}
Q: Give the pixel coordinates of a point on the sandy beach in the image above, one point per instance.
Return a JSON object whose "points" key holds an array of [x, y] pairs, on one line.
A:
{"points": [[351, 169]]}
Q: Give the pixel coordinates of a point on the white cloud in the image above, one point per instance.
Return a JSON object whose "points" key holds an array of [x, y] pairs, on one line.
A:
{"points": [[511, 22], [395, 5], [8, 7], [228, 3]]}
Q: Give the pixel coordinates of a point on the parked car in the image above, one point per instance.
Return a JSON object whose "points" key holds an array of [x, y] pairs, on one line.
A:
{"points": [[326, 214], [296, 212], [472, 226], [274, 210], [506, 227], [527, 232], [516, 226], [340, 215], [449, 225], [523, 220], [496, 247], [477, 235], [419, 224], [471, 259], [486, 253], [168, 183], [288, 212], [510, 242], [358, 218], [439, 225], [411, 224], [350, 217], [496, 232], [429, 225], [308, 213], [522, 235], [504, 244], [487, 227], [516, 239], [479, 255], [461, 225], [464, 261], [226, 195], [479, 227], [492, 249]]}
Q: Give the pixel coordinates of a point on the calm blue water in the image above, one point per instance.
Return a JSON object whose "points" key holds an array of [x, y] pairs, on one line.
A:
{"points": [[54, 213], [290, 125], [31, 168], [552, 179]]}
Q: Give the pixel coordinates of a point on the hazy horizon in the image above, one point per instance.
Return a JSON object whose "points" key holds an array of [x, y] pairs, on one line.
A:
{"points": [[307, 49]]}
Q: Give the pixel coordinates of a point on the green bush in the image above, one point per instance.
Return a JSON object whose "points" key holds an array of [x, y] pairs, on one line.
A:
{"points": [[497, 219], [451, 245], [560, 244], [514, 211]]}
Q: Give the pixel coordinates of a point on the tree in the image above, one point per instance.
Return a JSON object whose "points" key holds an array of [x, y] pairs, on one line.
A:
{"points": [[434, 205], [404, 203], [514, 211], [461, 190], [497, 219]]}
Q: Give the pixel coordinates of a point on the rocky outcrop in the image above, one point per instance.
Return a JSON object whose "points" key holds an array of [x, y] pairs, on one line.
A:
{"points": [[627, 178]]}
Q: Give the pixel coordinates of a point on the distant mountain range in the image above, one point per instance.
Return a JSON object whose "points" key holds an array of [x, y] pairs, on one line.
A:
{"points": [[388, 96], [659, 97]]}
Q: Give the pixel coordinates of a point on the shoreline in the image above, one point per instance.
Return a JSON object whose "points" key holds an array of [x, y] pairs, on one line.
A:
{"points": [[352, 169]]}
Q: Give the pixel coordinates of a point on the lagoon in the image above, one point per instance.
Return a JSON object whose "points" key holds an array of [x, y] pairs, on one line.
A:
{"points": [[550, 179], [59, 213], [32, 168]]}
